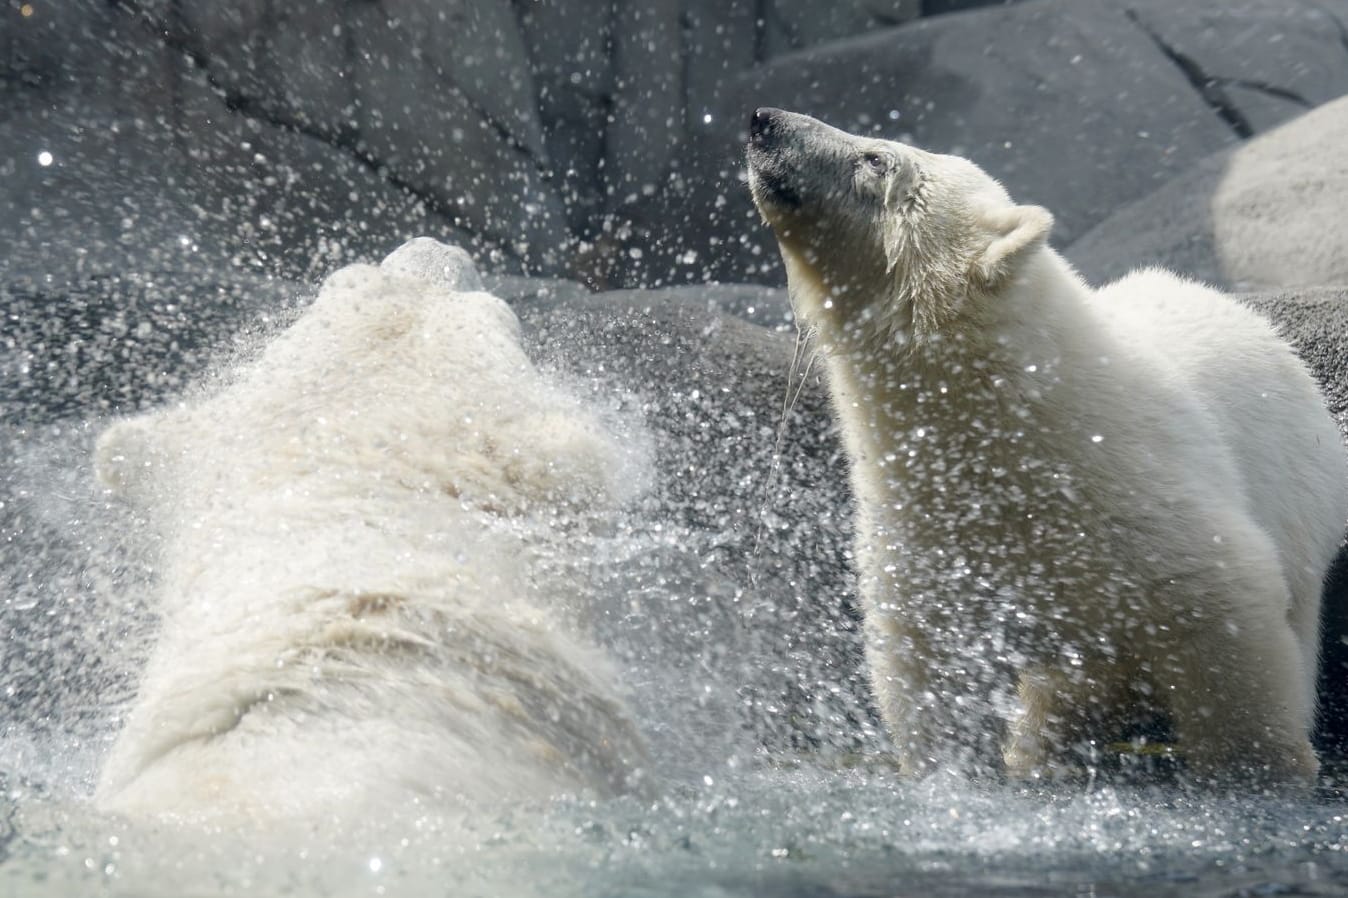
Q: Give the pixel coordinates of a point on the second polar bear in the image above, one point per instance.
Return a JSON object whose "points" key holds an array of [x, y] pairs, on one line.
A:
{"points": [[1072, 503], [349, 619]]}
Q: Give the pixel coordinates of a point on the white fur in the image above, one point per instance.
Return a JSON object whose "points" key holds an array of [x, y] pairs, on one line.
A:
{"points": [[349, 620], [1101, 500]]}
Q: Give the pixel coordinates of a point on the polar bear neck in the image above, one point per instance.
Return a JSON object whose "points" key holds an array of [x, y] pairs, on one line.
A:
{"points": [[932, 422]]}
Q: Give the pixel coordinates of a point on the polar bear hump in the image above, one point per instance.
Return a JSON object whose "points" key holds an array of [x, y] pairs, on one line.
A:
{"points": [[447, 267]]}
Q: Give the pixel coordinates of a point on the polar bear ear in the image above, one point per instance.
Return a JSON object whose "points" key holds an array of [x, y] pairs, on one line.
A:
{"points": [[1012, 235]]}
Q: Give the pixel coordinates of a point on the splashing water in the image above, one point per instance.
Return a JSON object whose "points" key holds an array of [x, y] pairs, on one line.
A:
{"points": [[739, 653]]}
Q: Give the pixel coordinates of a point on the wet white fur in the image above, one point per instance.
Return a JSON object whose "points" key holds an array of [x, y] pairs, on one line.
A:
{"points": [[1089, 495], [349, 620]]}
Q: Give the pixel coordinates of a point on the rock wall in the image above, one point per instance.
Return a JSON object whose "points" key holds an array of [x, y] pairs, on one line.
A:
{"points": [[590, 138]]}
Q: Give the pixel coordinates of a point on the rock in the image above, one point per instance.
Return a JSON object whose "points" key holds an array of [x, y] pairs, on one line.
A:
{"points": [[124, 194], [446, 103], [792, 25], [568, 44], [645, 135], [1081, 107], [941, 7], [1258, 63], [117, 344], [1171, 227], [1315, 321], [1278, 211], [519, 289], [1266, 214], [594, 140], [767, 307]]}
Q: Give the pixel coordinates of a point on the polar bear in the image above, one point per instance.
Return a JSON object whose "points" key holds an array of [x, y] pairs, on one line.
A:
{"points": [[348, 616], [1071, 503]]}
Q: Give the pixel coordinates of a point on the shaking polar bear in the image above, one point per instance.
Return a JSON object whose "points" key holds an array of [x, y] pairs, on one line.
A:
{"points": [[1101, 500], [348, 619]]}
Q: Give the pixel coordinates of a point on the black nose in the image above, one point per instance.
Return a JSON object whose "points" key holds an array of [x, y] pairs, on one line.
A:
{"points": [[763, 126]]}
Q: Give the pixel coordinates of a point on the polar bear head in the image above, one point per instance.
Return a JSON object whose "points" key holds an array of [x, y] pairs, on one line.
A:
{"points": [[880, 235], [402, 377]]}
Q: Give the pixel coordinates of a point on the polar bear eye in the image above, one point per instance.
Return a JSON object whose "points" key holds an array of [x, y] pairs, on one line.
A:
{"points": [[874, 161]]}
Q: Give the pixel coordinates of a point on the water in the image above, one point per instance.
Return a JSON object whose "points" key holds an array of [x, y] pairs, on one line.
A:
{"points": [[807, 831], [722, 595]]}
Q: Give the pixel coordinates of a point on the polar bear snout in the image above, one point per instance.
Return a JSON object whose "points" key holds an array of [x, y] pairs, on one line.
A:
{"points": [[802, 169], [772, 178]]}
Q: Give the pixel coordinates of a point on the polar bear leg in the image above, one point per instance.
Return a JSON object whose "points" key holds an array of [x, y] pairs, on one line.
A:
{"points": [[1061, 714], [936, 704], [1238, 697], [1304, 619]]}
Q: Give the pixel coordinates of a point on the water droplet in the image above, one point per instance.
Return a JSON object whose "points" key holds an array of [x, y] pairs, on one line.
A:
{"points": [[44, 159]]}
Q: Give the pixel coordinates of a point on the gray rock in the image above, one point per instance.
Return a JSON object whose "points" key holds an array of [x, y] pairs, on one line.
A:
{"points": [[519, 289], [1079, 106], [1315, 321], [569, 43], [596, 140], [1268, 213], [766, 307], [1170, 227], [117, 344], [446, 103], [791, 25], [1258, 63], [125, 193]]}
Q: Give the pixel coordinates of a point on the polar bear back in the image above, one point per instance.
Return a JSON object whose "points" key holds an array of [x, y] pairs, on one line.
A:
{"points": [[1212, 349]]}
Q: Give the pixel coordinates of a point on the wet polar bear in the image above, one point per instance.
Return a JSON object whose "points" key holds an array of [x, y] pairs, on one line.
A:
{"points": [[1100, 500], [348, 619]]}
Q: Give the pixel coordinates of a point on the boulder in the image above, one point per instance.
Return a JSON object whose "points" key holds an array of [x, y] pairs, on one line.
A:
{"points": [[1278, 211], [1170, 227], [99, 182], [1266, 214], [1078, 106], [595, 140], [792, 25], [117, 344]]}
